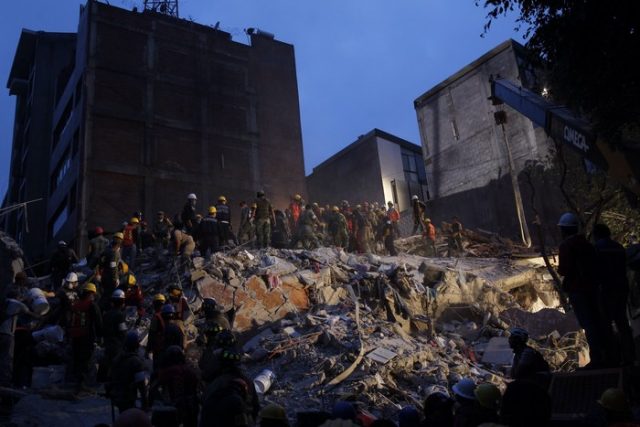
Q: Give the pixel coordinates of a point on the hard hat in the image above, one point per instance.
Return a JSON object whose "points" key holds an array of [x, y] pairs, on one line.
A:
{"points": [[260, 193], [427, 220], [192, 196], [225, 338], [273, 412], [488, 395], [465, 388], [173, 286], [335, 209], [124, 267], [358, 207], [90, 287], [297, 197], [212, 210], [409, 416], [435, 388], [99, 230], [132, 340], [414, 197], [390, 203], [62, 243], [175, 292], [71, 277], [118, 235], [134, 220], [159, 297], [568, 219], [222, 199], [160, 213], [131, 280], [614, 400], [168, 309], [209, 303], [254, 205], [519, 335], [117, 294]]}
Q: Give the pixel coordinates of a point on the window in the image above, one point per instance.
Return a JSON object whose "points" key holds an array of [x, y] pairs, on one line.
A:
{"points": [[60, 171], [59, 219], [62, 124], [75, 142]]}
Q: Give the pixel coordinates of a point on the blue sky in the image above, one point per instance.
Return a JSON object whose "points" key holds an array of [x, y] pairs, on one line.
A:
{"points": [[360, 63]]}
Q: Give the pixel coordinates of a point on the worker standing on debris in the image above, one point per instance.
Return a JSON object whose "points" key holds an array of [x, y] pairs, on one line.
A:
{"points": [[162, 230], [230, 399], [454, 240], [430, 236], [97, 246], [67, 295], [130, 237], [129, 377], [84, 327], [295, 208], [281, 235], [388, 237], [419, 209], [133, 296], [213, 314], [177, 384], [188, 215], [223, 216], [145, 237], [108, 266], [217, 340], [155, 340], [465, 406], [183, 244], [208, 232], [528, 363], [245, 231], [10, 310], [337, 228], [614, 290], [61, 262], [264, 219], [114, 332], [362, 230], [577, 263], [305, 232], [179, 303], [394, 217]]}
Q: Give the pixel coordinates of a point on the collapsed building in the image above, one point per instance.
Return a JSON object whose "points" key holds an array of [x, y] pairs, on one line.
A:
{"points": [[138, 109]]}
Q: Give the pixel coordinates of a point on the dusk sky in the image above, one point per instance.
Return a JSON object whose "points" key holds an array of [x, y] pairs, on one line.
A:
{"points": [[360, 63]]}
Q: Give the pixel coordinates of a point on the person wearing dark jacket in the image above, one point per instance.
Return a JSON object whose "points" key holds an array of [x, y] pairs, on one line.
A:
{"points": [[611, 268], [419, 209], [528, 363], [223, 215], [577, 263], [114, 331], [129, 377], [209, 233], [188, 215], [61, 261]]}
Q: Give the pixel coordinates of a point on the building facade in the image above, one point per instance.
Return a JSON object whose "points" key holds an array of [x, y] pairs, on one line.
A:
{"points": [[470, 160], [153, 108], [378, 167]]}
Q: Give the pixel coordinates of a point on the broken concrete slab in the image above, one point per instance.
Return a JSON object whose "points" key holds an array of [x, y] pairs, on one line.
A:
{"points": [[498, 352]]}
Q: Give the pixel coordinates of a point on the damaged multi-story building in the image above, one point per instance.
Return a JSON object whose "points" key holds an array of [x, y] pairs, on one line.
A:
{"points": [[138, 109], [470, 160]]}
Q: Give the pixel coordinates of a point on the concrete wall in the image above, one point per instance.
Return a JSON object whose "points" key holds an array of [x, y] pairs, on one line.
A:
{"points": [[465, 152]]}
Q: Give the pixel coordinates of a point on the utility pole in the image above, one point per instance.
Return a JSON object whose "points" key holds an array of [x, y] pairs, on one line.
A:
{"points": [[167, 7]]}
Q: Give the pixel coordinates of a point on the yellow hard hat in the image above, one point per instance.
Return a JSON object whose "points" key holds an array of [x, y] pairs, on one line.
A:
{"points": [[118, 235], [273, 412], [222, 199], [614, 400], [90, 287], [124, 267], [131, 279], [134, 220], [297, 197], [488, 395], [159, 297], [212, 209]]}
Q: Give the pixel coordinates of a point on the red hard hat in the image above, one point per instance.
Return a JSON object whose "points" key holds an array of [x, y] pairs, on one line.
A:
{"points": [[99, 230]]}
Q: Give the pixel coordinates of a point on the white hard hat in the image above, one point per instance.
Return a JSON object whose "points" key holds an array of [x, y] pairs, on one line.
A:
{"points": [[71, 277], [568, 219], [62, 243], [414, 197], [117, 294], [192, 196]]}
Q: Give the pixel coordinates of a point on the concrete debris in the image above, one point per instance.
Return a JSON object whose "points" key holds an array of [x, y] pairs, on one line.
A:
{"points": [[309, 317]]}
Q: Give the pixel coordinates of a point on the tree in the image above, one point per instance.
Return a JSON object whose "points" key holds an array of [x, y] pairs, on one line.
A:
{"points": [[590, 51]]}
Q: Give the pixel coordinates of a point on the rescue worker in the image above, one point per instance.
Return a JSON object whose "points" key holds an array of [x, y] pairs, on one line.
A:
{"points": [[230, 399], [264, 219], [145, 237], [487, 404], [305, 232], [188, 215], [273, 415], [177, 384], [67, 295], [337, 227], [281, 234], [61, 261], [10, 310], [213, 314], [129, 378], [114, 332], [183, 245], [430, 236], [217, 339], [419, 208], [611, 268], [208, 232], [162, 230], [223, 216], [174, 333], [245, 233], [155, 342], [528, 363], [362, 230], [577, 264], [133, 296], [295, 209], [97, 246], [158, 301], [84, 327], [130, 237], [455, 236], [372, 218], [394, 217], [388, 237], [180, 303], [464, 408], [108, 266]]}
